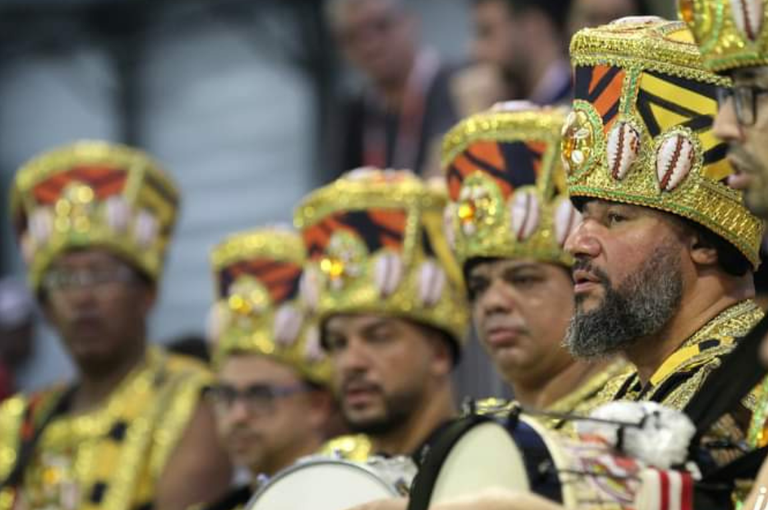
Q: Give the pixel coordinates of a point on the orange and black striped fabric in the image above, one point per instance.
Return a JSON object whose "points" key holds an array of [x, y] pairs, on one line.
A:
{"points": [[377, 228], [281, 278], [511, 164]]}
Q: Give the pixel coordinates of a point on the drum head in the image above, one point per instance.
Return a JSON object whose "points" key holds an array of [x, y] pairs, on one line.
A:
{"points": [[321, 485], [475, 453]]}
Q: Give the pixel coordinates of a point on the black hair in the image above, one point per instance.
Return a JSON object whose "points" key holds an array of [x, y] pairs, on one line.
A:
{"points": [[729, 258], [555, 10]]}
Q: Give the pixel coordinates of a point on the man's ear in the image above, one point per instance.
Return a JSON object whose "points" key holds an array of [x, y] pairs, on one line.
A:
{"points": [[148, 297], [702, 252], [442, 362]]}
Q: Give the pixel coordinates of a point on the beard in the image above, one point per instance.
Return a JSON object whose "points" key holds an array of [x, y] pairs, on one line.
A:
{"points": [[641, 306], [756, 196], [398, 409]]}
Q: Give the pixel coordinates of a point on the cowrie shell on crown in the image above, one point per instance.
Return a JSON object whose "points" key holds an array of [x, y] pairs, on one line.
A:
{"points": [[146, 229], [309, 288], [748, 16], [313, 351], [622, 149], [214, 323], [448, 218], [28, 248], [432, 281], [117, 213], [674, 161], [567, 218], [287, 325], [41, 225], [524, 214], [388, 273]]}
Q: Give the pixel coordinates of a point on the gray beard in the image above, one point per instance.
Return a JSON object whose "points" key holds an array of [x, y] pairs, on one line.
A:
{"points": [[641, 306]]}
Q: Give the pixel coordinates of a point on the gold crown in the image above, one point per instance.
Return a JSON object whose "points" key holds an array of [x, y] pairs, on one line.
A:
{"points": [[730, 33], [93, 193], [505, 183], [257, 275], [376, 244], [641, 128]]}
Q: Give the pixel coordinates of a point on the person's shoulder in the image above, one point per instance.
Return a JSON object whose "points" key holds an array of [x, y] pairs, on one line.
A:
{"points": [[177, 367], [354, 447], [235, 499]]}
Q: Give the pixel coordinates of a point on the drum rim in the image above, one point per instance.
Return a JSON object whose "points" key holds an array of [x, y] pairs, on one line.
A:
{"points": [[301, 464]]}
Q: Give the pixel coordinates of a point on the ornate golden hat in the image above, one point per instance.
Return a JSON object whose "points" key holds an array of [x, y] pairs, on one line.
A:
{"points": [[257, 277], [93, 194], [376, 244], [641, 128], [730, 33], [505, 182]]}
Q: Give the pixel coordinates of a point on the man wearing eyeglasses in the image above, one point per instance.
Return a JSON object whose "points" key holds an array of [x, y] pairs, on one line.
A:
{"points": [[734, 42], [270, 397], [94, 221], [389, 297]]}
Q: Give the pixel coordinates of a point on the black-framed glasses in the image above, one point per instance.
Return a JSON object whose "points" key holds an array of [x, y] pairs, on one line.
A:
{"points": [[744, 101], [65, 280], [257, 398]]}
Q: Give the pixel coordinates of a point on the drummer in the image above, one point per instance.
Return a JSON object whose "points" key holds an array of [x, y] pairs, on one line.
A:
{"points": [[270, 396], [390, 298], [509, 218]]}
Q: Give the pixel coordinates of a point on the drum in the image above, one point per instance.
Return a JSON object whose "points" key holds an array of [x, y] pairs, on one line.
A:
{"points": [[479, 452], [323, 483]]}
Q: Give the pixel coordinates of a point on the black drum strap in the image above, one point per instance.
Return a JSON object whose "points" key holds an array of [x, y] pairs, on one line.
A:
{"points": [[424, 482]]}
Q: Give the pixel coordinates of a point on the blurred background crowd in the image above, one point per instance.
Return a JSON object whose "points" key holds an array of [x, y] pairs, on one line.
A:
{"points": [[250, 104]]}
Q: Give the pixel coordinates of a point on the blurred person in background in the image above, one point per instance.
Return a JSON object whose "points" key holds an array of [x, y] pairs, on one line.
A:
{"points": [[593, 13], [736, 46], [17, 316], [526, 41], [517, 272], [408, 101], [192, 345], [390, 299], [270, 395], [132, 430]]}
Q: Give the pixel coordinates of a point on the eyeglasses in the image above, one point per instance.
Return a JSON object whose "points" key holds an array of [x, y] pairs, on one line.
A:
{"points": [[744, 101], [258, 399], [65, 280]]}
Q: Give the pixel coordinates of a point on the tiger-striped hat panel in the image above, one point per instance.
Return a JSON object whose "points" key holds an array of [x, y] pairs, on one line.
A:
{"points": [[731, 34], [93, 194], [511, 165], [504, 174], [375, 244], [376, 228], [257, 275], [654, 144]]}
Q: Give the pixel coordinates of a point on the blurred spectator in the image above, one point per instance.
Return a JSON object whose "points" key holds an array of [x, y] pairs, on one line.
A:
{"points": [[16, 331], [407, 103], [192, 345], [593, 13], [526, 40]]}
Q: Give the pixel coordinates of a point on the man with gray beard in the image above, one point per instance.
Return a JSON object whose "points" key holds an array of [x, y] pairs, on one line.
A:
{"points": [[665, 255]]}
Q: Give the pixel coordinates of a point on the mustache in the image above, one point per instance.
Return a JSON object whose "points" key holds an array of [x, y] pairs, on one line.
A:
{"points": [[358, 380], [744, 159], [582, 263]]}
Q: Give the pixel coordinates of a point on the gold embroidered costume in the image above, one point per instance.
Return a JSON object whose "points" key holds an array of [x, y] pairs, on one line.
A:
{"points": [[96, 195], [111, 457]]}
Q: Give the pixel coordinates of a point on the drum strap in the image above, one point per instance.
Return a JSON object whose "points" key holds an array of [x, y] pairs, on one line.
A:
{"points": [[740, 372]]}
